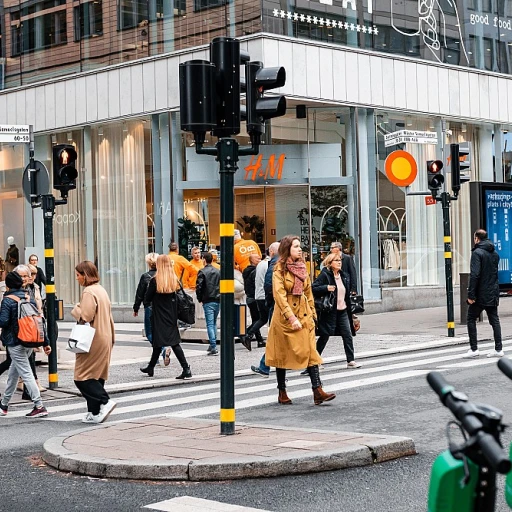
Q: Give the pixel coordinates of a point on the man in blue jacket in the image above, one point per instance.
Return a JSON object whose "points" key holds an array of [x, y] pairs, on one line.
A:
{"points": [[20, 365]]}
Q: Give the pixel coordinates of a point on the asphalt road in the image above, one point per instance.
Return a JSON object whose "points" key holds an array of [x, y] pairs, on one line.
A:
{"points": [[402, 407]]}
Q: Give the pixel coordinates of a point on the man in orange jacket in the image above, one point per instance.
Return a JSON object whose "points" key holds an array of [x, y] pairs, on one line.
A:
{"points": [[243, 249], [198, 264], [183, 268]]}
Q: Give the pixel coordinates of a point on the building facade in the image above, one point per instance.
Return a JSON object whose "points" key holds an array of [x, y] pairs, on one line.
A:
{"points": [[103, 75]]}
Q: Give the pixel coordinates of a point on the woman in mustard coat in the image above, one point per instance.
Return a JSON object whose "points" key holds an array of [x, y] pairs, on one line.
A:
{"points": [[291, 342]]}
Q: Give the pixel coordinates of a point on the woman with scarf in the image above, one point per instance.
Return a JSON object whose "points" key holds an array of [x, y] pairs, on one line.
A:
{"points": [[291, 342]]}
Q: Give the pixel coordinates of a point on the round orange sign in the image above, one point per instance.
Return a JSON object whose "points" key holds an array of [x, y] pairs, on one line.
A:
{"points": [[401, 168]]}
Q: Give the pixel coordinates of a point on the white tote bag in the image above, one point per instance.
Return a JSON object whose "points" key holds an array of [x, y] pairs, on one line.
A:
{"points": [[80, 339]]}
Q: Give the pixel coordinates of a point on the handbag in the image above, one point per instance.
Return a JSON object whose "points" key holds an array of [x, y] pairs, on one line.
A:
{"points": [[80, 339], [186, 306], [325, 303], [357, 304]]}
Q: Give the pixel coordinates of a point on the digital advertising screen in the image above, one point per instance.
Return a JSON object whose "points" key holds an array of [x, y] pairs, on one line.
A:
{"points": [[498, 210]]}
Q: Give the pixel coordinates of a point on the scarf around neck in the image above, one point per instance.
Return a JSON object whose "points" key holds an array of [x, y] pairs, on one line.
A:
{"points": [[298, 269]]}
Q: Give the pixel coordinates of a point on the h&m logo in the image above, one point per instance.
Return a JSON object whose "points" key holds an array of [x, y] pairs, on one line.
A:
{"points": [[272, 170]]}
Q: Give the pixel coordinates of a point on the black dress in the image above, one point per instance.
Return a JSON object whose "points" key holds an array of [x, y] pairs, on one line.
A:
{"points": [[164, 320]]}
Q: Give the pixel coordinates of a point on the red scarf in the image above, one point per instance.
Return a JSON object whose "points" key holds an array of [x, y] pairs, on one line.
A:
{"points": [[298, 269]]}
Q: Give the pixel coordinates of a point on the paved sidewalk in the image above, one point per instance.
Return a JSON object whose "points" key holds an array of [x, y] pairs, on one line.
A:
{"points": [[185, 449]]}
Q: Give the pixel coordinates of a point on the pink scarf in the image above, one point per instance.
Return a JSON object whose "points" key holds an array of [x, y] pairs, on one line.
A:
{"points": [[298, 269]]}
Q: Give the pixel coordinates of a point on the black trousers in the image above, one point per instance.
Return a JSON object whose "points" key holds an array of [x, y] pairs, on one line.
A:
{"points": [[263, 314], [178, 352], [342, 326], [254, 328], [474, 311], [93, 390]]}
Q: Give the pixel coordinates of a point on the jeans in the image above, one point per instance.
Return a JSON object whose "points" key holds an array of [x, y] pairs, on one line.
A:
{"points": [[93, 390], [20, 367], [211, 312], [474, 311], [342, 326], [147, 324], [263, 367]]}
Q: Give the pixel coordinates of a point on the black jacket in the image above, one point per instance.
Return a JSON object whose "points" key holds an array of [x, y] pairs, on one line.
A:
{"points": [[348, 269], [327, 320], [483, 286], [249, 275], [40, 279], [208, 285], [142, 289]]}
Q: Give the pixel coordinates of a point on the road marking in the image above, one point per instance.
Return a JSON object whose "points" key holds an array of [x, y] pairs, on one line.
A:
{"points": [[192, 504]]}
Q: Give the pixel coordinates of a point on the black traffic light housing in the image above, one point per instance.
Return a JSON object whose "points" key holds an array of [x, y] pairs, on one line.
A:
{"points": [[435, 176], [64, 168], [459, 161]]}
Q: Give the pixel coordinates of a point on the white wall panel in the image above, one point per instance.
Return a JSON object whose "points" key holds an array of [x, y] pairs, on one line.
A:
{"points": [[443, 85], [125, 91], [160, 84], [30, 99], [70, 103], [326, 82], [270, 53], [388, 81], [60, 104], [92, 98], [173, 85], [509, 94], [483, 89], [503, 100], [474, 95], [300, 70], [21, 107], [494, 109], [137, 89], [148, 76], [11, 111], [464, 93], [81, 104], [411, 84], [286, 60], [454, 91], [313, 72], [3, 108], [433, 91], [103, 95], [400, 88], [351, 75], [376, 82], [114, 93], [39, 112], [364, 78]]}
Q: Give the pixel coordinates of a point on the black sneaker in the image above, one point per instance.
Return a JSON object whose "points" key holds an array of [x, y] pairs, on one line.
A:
{"points": [[185, 374], [3, 409], [212, 352], [37, 412]]}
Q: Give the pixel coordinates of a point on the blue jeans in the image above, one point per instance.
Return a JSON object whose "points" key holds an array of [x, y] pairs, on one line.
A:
{"points": [[263, 367], [147, 324], [211, 312]]}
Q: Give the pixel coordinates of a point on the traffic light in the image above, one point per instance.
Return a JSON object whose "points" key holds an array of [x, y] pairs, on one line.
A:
{"points": [[460, 162], [64, 168], [259, 108], [435, 176]]}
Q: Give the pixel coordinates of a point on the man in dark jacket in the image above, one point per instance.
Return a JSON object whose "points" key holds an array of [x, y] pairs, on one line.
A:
{"points": [[208, 293], [249, 275], [141, 292], [483, 293], [20, 365]]}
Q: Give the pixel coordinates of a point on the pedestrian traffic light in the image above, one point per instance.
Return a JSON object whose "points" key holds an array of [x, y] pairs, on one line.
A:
{"points": [[435, 177], [460, 163], [64, 168], [259, 108]]}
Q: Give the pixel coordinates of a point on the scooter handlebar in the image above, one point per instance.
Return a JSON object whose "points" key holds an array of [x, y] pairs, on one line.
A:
{"points": [[493, 453], [439, 384], [505, 365]]}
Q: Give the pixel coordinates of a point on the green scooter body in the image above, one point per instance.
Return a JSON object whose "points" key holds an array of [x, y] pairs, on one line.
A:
{"points": [[508, 483], [446, 493]]}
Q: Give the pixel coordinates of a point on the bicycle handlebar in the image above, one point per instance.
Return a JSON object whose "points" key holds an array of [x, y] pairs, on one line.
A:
{"points": [[505, 365], [464, 411]]}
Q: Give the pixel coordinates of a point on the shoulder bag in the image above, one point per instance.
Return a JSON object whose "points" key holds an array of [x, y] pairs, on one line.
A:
{"points": [[325, 303], [186, 306]]}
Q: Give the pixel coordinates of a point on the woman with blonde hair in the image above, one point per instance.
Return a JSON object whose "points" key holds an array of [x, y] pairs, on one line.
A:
{"points": [[161, 294], [291, 340]]}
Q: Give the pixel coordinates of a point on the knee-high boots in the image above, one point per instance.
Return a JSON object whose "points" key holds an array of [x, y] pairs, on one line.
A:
{"points": [[281, 386], [319, 395]]}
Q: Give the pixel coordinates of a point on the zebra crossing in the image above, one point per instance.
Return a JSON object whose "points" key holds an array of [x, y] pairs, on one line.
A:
{"points": [[202, 399]]}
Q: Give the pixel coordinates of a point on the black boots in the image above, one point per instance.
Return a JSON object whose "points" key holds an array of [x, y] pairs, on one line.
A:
{"points": [[150, 370], [185, 374], [319, 395]]}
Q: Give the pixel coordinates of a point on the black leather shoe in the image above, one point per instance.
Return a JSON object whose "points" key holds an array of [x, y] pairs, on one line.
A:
{"points": [[246, 342], [262, 344], [149, 370], [185, 374]]}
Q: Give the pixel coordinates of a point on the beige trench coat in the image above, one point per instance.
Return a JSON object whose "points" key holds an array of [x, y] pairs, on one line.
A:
{"points": [[95, 308], [286, 348]]}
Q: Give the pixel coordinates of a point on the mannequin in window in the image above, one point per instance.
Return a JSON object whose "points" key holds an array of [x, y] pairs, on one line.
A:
{"points": [[12, 257]]}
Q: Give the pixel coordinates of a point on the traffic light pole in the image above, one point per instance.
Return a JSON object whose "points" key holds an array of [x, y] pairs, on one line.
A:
{"points": [[445, 202]]}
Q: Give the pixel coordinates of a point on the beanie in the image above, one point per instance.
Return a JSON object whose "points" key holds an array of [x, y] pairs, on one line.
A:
{"points": [[13, 281]]}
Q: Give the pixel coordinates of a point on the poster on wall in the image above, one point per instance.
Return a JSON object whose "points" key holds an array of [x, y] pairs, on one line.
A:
{"points": [[498, 209]]}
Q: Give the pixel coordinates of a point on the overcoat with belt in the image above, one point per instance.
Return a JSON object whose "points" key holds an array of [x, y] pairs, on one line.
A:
{"points": [[95, 308], [327, 320], [287, 348]]}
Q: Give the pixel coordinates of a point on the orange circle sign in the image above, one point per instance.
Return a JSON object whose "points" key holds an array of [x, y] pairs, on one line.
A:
{"points": [[401, 168]]}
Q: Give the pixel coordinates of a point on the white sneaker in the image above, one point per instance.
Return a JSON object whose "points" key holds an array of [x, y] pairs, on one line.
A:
{"points": [[495, 353], [90, 418], [471, 354], [105, 410]]}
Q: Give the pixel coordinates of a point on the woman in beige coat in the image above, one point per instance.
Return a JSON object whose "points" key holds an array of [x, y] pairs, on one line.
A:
{"points": [[91, 369], [291, 342]]}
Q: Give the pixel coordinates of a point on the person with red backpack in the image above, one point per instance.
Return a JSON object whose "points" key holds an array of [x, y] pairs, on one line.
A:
{"points": [[20, 354]]}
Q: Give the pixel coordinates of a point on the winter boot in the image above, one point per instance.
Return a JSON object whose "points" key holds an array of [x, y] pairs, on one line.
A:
{"points": [[185, 374], [150, 370], [319, 395], [283, 397], [281, 386]]}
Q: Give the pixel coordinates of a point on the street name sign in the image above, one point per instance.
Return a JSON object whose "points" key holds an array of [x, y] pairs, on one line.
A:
{"points": [[409, 136], [15, 133]]}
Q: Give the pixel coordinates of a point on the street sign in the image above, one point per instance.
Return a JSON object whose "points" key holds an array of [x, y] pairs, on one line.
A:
{"points": [[15, 133], [42, 180], [401, 168], [409, 136], [430, 200]]}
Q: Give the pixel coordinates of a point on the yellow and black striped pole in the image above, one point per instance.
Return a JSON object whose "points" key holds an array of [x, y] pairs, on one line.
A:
{"points": [[48, 206], [445, 201], [227, 155]]}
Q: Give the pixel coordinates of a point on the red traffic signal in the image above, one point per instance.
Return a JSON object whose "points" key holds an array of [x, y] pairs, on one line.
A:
{"points": [[64, 167], [435, 177]]}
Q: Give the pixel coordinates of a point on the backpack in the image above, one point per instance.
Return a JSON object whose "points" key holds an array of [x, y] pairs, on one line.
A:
{"points": [[31, 326]]}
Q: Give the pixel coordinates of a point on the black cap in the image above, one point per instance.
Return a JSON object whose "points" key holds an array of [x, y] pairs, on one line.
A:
{"points": [[13, 281]]}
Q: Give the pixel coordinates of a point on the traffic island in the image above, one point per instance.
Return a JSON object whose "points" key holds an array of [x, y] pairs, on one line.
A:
{"points": [[190, 449]]}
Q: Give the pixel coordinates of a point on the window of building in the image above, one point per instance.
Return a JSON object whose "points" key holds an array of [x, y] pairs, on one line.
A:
{"points": [[158, 10], [131, 13], [201, 5], [88, 19]]}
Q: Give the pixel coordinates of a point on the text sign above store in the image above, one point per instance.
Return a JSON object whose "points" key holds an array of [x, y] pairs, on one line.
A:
{"points": [[14, 133], [409, 137]]}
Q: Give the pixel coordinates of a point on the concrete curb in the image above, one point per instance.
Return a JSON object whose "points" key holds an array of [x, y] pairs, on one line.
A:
{"points": [[230, 467]]}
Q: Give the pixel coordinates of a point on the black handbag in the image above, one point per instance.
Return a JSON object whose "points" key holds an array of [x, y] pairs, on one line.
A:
{"points": [[186, 306], [357, 303], [325, 303]]}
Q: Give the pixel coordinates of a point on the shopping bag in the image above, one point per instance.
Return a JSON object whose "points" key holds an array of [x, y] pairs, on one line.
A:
{"points": [[80, 339]]}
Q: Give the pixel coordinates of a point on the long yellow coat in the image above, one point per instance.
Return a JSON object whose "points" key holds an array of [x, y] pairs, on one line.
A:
{"points": [[286, 348], [95, 308]]}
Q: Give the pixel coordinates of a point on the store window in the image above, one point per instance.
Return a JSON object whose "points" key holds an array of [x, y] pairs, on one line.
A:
{"points": [[88, 18]]}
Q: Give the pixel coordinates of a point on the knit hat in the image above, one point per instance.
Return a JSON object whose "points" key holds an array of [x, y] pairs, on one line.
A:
{"points": [[13, 281]]}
